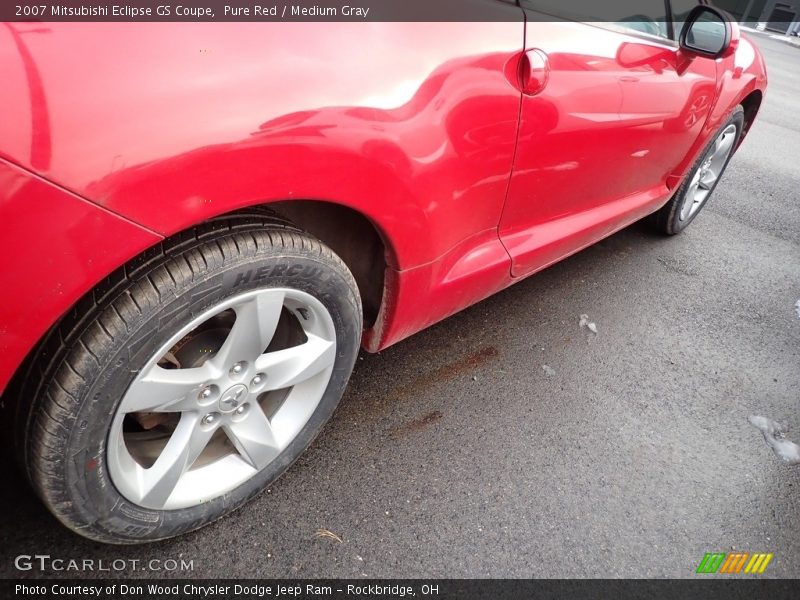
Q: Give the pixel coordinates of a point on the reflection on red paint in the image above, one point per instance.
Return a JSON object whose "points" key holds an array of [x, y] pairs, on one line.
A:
{"points": [[481, 152]]}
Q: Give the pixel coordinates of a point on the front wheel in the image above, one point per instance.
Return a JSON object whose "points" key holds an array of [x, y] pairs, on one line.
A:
{"points": [[193, 383], [696, 189]]}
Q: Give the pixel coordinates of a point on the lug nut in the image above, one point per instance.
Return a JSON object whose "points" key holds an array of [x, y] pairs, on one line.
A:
{"points": [[241, 409], [206, 393], [258, 379], [209, 419], [237, 368]]}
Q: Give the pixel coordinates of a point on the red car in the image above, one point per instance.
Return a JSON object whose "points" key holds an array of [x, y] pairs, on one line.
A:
{"points": [[203, 223]]}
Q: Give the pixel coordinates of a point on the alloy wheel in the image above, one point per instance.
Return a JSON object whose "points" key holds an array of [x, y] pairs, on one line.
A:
{"points": [[705, 178], [221, 399]]}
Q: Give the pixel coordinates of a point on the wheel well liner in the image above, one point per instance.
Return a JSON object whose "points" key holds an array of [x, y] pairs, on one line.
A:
{"points": [[353, 237], [751, 105]]}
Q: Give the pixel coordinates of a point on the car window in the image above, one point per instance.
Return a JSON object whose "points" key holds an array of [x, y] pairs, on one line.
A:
{"points": [[642, 16]]}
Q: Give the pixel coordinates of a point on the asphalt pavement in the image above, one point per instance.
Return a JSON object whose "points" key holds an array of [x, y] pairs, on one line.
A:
{"points": [[458, 454]]}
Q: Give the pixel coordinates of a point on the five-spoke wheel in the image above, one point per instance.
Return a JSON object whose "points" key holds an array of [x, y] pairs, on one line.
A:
{"points": [[705, 178], [184, 434]]}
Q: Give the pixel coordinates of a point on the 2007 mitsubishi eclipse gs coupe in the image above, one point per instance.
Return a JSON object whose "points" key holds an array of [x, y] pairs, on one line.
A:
{"points": [[203, 223]]}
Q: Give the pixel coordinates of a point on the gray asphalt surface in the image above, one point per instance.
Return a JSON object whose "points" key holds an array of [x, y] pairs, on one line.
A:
{"points": [[455, 454]]}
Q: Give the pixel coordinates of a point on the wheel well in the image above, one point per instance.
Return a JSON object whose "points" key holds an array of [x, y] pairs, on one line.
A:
{"points": [[350, 235], [751, 104]]}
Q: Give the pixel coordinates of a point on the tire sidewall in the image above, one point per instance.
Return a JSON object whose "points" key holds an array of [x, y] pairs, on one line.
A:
{"points": [[93, 492]]}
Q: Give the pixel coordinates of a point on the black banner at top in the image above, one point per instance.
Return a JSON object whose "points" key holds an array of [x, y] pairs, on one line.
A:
{"points": [[345, 10]]}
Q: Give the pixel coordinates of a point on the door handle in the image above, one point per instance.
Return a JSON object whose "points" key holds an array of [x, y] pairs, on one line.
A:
{"points": [[534, 71]]}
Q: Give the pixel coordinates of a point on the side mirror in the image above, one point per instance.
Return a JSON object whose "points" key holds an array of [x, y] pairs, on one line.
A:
{"points": [[706, 32]]}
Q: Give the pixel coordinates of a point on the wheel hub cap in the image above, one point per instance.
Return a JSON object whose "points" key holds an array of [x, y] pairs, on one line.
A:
{"points": [[232, 398]]}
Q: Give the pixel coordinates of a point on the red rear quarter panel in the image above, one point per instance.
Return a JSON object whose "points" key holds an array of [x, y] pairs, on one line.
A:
{"points": [[169, 124]]}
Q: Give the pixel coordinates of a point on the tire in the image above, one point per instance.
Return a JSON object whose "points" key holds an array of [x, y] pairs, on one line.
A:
{"points": [[101, 363], [689, 199]]}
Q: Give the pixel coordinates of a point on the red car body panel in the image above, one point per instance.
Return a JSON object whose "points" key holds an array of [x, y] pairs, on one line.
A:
{"points": [[77, 243], [146, 129], [209, 117]]}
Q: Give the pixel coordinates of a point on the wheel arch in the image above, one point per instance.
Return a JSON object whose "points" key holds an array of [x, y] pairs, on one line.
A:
{"points": [[749, 97], [751, 104], [366, 250], [358, 241]]}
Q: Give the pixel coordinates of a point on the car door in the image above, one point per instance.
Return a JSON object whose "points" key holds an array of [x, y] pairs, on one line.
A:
{"points": [[617, 110]]}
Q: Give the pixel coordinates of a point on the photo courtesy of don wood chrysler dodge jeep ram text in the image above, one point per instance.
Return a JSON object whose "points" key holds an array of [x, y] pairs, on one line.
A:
{"points": [[208, 220]]}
